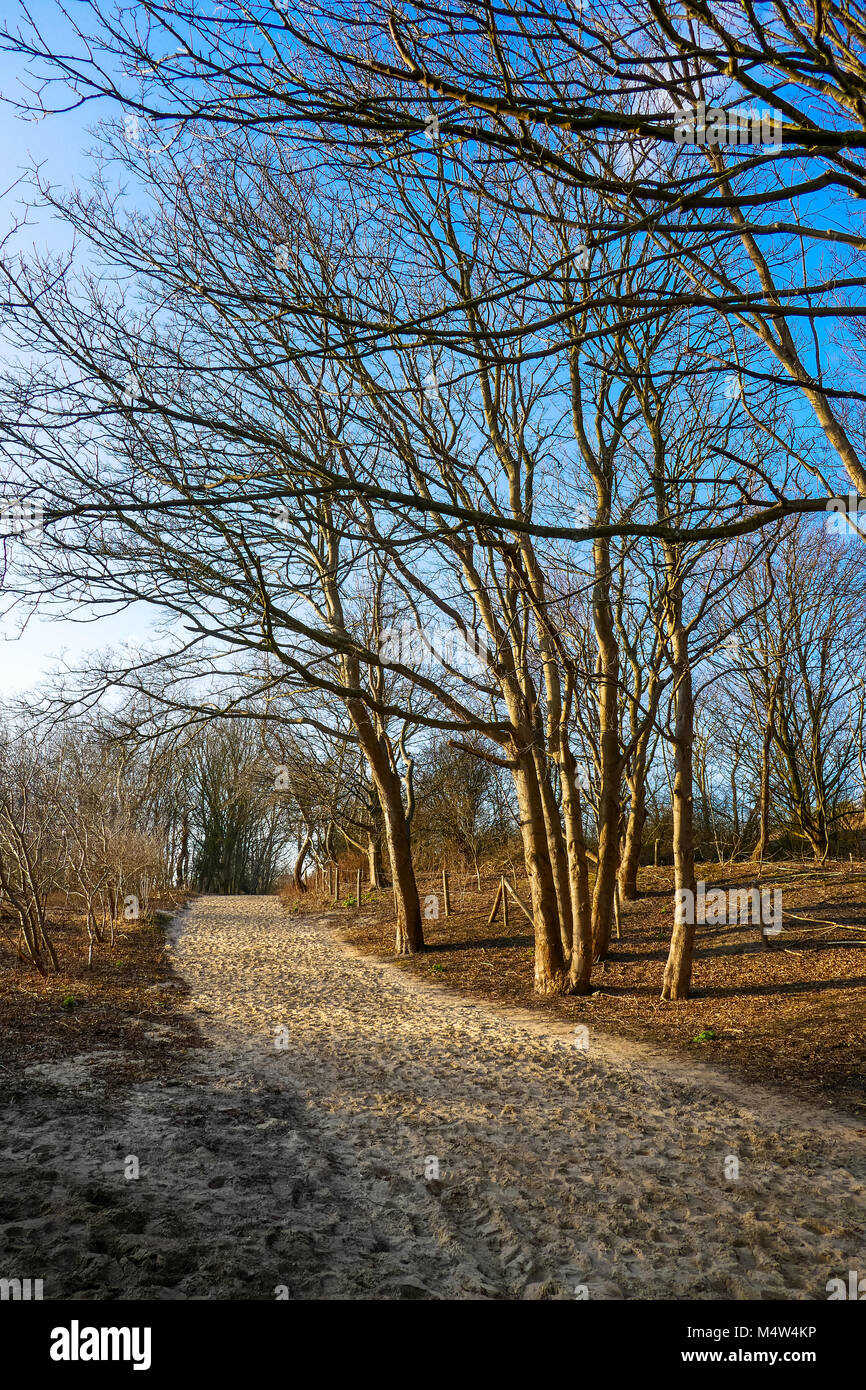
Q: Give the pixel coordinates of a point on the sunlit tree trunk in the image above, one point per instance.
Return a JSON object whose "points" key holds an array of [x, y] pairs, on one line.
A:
{"points": [[550, 973], [678, 969], [374, 861], [636, 778], [303, 851], [581, 900], [611, 768], [558, 856]]}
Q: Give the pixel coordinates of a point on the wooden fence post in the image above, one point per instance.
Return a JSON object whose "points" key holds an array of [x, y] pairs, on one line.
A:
{"points": [[495, 907], [445, 894], [520, 903], [358, 890]]}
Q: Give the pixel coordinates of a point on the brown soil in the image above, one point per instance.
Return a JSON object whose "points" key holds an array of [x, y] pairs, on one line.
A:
{"points": [[790, 1014], [124, 1006]]}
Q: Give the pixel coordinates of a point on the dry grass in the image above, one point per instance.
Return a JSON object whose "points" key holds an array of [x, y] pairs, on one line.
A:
{"points": [[791, 1015]]}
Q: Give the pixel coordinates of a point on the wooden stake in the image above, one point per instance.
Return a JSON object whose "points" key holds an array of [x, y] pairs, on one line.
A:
{"points": [[358, 890], [495, 908], [336, 883], [520, 903], [504, 906], [616, 911], [445, 894]]}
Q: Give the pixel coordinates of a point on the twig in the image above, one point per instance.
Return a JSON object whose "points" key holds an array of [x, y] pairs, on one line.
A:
{"points": [[823, 921]]}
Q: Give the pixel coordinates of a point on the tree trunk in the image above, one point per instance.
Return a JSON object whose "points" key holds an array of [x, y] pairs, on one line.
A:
{"points": [[764, 806], [611, 766], [608, 845], [374, 746], [299, 862], [581, 901], [558, 856], [183, 856], [374, 861], [410, 933], [678, 970], [636, 822], [550, 975]]}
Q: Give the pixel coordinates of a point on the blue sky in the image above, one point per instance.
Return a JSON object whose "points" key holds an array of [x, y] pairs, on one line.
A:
{"points": [[59, 144]]}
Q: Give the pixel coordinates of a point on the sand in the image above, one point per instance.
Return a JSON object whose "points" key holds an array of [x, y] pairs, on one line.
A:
{"points": [[293, 1157]]}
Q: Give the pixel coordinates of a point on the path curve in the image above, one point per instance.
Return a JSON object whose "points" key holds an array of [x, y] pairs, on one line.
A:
{"points": [[563, 1171]]}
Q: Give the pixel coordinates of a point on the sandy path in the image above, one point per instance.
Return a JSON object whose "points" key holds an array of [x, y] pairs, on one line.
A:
{"points": [[558, 1166], [304, 1167]]}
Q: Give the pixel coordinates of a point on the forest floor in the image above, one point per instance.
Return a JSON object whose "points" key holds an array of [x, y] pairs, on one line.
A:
{"points": [[121, 1005], [324, 1125], [790, 1012]]}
